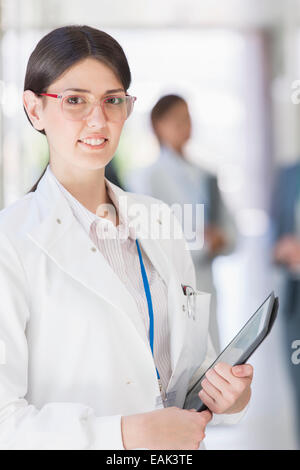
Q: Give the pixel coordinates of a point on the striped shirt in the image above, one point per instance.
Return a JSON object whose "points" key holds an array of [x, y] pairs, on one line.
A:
{"points": [[121, 253]]}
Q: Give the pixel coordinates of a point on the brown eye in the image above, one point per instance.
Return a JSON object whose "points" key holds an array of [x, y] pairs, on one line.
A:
{"points": [[114, 100], [72, 100]]}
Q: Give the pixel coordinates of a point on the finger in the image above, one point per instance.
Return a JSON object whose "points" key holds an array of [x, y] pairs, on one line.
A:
{"points": [[211, 390], [216, 379], [226, 371], [208, 401], [244, 370], [206, 415]]}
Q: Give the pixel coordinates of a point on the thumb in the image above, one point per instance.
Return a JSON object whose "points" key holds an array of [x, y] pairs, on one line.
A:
{"points": [[207, 415], [243, 370]]}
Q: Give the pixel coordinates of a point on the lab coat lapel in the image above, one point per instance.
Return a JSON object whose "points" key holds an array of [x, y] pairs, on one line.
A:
{"points": [[62, 238]]}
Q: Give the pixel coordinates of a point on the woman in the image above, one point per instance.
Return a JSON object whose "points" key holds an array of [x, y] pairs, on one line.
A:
{"points": [[80, 284]]}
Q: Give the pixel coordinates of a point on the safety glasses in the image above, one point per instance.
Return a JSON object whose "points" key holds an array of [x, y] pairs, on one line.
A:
{"points": [[79, 106]]}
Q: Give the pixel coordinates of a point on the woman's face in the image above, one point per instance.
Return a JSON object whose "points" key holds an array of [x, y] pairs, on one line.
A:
{"points": [[63, 135], [174, 128]]}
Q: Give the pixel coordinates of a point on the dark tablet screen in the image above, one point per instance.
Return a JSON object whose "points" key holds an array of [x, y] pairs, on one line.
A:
{"points": [[241, 346], [247, 335]]}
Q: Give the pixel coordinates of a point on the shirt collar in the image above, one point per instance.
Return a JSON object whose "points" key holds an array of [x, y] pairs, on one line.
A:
{"points": [[105, 227]]}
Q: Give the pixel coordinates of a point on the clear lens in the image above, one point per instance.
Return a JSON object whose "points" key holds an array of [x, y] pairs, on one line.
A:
{"points": [[115, 108], [75, 107]]}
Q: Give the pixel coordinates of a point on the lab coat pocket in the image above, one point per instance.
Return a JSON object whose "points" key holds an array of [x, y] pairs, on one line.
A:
{"points": [[196, 312]]}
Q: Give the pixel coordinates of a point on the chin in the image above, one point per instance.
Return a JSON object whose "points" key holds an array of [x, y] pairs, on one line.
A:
{"points": [[92, 162]]}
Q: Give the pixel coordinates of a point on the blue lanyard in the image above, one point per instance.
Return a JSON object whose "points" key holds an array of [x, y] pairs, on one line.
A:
{"points": [[149, 301]]}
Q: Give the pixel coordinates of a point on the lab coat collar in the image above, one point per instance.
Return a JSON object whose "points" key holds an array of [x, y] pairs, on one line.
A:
{"points": [[86, 218]]}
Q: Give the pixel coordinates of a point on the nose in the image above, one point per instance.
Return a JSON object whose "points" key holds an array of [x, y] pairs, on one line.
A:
{"points": [[97, 117]]}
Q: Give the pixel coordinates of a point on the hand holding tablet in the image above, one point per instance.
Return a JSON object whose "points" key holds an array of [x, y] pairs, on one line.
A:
{"points": [[225, 390], [237, 352]]}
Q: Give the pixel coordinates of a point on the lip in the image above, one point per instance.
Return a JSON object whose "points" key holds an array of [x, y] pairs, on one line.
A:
{"points": [[94, 136]]}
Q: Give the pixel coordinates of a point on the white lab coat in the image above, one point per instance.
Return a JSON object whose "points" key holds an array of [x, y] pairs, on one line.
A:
{"points": [[75, 353]]}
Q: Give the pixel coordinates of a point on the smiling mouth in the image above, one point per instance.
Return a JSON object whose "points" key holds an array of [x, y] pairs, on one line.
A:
{"points": [[93, 143]]}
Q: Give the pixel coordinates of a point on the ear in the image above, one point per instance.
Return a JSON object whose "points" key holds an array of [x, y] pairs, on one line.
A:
{"points": [[159, 129], [34, 107]]}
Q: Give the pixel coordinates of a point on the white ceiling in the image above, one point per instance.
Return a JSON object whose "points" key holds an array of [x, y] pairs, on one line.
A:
{"points": [[149, 13]]}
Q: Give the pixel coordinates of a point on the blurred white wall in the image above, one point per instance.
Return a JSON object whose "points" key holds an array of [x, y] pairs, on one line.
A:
{"points": [[143, 13]]}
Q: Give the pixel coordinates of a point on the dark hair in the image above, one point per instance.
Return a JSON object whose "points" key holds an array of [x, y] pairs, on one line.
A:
{"points": [[64, 47], [162, 107]]}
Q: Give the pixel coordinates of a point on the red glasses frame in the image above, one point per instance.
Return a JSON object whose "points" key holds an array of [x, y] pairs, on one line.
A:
{"points": [[62, 95]]}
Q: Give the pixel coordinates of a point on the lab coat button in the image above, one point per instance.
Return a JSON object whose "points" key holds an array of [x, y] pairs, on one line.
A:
{"points": [[93, 248], [159, 221], [58, 221], [183, 308]]}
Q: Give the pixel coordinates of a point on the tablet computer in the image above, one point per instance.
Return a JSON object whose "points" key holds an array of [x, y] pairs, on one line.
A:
{"points": [[241, 347]]}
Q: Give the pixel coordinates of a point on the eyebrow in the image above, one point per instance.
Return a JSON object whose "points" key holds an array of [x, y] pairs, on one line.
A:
{"points": [[88, 91]]}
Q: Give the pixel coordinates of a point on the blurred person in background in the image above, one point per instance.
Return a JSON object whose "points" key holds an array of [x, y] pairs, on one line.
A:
{"points": [[286, 226], [176, 180]]}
